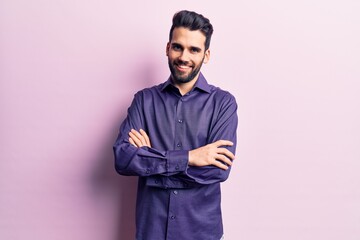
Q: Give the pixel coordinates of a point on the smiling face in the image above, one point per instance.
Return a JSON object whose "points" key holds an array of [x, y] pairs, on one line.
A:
{"points": [[186, 53]]}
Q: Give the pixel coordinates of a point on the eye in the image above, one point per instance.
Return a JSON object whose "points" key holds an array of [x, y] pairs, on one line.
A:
{"points": [[176, 47], [195, 50]]}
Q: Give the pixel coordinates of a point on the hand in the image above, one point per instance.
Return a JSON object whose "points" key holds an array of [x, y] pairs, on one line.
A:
{"points": [[139, 139], [212, 154]]}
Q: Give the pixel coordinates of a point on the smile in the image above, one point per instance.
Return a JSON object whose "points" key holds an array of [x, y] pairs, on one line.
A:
{"points": [[182, 67]]}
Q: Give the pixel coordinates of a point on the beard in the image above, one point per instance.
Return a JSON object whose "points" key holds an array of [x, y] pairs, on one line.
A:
{"points": [[179, 77]]}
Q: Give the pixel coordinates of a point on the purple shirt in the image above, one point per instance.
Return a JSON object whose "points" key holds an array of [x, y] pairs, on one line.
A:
{"points": [[176, 201]]}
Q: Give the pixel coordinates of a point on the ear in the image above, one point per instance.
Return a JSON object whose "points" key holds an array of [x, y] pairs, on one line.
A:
{"points": [[207, 56], [167, 48]]}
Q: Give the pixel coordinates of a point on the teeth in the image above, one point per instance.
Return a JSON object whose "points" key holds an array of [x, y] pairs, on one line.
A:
{"points": [[183, 67]]}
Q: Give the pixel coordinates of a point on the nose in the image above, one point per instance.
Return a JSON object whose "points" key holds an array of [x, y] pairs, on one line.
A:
{"points": [[184, 56]]}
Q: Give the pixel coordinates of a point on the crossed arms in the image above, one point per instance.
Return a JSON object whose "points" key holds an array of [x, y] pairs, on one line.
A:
{"points": [[210, 154], [137, 152]]}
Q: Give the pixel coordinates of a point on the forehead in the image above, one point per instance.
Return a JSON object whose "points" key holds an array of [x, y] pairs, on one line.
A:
{"points": [[187, 37]]}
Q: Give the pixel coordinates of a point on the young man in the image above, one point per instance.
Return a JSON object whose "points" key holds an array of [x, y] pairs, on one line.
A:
{"points": [[179, 137]]}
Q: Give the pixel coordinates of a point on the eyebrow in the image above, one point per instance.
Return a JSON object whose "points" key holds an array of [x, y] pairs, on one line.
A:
{"points": [[176, 45]]}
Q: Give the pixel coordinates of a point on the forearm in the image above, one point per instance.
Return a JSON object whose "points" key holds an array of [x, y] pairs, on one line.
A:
{"points": [[193, 176], [145, 161], [205, 165]]}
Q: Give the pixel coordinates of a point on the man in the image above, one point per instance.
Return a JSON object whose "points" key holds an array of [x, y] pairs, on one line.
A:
{"points": [[179, 137]]}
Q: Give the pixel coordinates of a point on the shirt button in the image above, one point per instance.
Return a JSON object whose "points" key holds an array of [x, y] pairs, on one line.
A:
{"points": [[180, 121], [177, 167], [178, 145], [147, 171], [172, 217], [175, 192]]}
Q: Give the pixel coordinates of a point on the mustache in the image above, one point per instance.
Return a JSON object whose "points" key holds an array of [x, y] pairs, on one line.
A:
{"points": [[184, 63]]}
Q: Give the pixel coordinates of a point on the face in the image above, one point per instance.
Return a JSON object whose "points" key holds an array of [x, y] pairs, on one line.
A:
{"points": [[186, 53]]}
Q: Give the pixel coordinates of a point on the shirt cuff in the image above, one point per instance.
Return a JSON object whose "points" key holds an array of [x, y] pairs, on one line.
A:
{"points": [[177, 160]]}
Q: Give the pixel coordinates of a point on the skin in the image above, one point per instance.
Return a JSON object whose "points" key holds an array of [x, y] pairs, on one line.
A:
{"points": [[186, 53]]}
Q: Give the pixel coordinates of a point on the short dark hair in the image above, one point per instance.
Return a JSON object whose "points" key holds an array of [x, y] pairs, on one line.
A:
{"points": [[192, 21]]}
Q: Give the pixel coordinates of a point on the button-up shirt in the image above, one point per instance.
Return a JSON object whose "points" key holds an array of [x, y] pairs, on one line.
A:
{"points": [[176, 201]]}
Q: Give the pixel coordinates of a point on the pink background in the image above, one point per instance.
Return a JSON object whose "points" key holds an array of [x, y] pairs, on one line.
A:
{"points": [[69, 69]]}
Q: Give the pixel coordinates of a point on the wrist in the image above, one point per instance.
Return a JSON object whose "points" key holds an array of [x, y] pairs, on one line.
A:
{"points": [[190, 157]]}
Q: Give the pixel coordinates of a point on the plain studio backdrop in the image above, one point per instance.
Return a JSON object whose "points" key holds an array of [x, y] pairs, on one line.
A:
{"points": [[69, 70]]}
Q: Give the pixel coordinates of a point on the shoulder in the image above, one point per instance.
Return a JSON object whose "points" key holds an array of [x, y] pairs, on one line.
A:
{"points": [[149, 91], [225, 104], [221, 95]]}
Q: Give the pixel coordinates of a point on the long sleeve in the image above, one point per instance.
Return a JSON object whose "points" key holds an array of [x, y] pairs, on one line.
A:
{"points": [[144, 161], [224, 128]]}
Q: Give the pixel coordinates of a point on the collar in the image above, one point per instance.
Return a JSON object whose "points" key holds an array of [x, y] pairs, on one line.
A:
{"points": [[200, 83]]}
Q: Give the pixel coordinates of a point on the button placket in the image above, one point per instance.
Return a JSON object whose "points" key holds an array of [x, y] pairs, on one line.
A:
{"points": [[179, 124]]}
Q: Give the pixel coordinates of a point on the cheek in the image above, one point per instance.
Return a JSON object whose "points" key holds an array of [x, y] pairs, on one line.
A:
{"points": [[170, 54], [173, 56], [198, 60]]}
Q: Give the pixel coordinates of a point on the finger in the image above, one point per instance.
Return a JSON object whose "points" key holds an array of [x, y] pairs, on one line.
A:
{"points": [[223, 159], [136, 140], [220, 165], [132, 142], [226, 152], [147, 139], [139, 136], [223, 143]]}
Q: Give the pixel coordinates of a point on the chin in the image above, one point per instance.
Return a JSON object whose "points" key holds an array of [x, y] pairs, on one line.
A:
{"points": [[181, 80]]}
